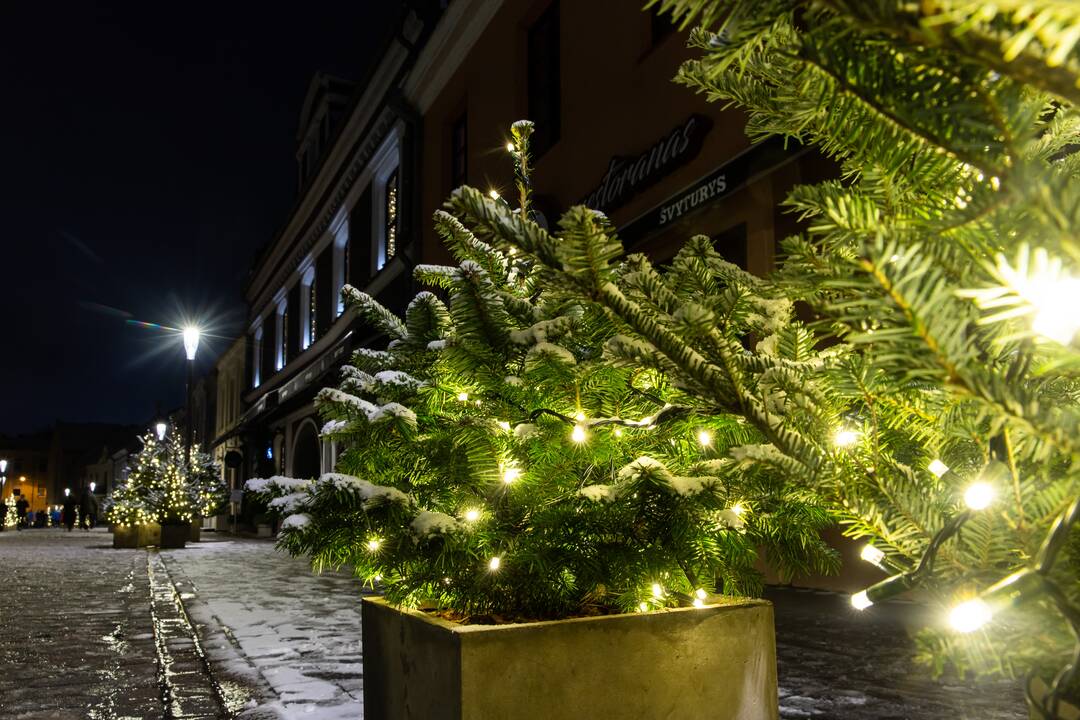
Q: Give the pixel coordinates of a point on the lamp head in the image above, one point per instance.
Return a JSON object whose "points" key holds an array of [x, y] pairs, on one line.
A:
{"points": [[191, 341], [161, 428], [3, 466]]}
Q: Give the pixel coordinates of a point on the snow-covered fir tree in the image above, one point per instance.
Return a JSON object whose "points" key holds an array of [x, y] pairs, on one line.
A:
{"points": [[497, 462], [164, 485]]}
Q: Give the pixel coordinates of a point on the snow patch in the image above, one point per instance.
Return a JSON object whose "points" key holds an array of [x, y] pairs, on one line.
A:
{"points": [[433, 523], [295, 522], [600, 493]]}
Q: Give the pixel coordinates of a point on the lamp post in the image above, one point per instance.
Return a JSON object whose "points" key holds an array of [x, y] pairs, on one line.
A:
{"points": [[191, 344]]}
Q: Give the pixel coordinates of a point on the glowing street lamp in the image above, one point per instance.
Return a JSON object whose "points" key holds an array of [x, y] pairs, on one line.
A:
{"points": [[93, 485], [67, 492], [191, 345], [161, 428]]}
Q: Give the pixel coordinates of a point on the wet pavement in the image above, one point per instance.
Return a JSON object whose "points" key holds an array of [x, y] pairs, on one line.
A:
{"points": [[231, 628]]}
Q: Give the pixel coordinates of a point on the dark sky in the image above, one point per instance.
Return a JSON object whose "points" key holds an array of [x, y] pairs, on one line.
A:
{"points": [[147, 153]]}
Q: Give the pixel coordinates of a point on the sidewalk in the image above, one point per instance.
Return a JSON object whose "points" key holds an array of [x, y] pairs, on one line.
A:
{"points": [[292, 638]]}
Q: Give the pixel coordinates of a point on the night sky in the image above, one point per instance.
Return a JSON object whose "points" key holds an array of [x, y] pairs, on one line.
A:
{"points": [[146, 158]]}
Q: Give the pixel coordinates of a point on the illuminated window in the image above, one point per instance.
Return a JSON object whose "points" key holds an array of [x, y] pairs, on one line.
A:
{"points": [[313, 295], [256, 357], [390, 216], [308, 300]]}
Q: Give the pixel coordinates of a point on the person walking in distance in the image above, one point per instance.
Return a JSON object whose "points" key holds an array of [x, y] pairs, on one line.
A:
{"points": [[69, 513], [21, 506], [88, 509]]}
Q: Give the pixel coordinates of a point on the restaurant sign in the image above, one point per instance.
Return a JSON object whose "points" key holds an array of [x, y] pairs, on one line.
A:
{"points": [[627, 176]]}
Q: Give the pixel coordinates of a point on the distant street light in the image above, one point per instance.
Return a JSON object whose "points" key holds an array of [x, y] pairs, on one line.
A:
{"points": [[161, 428], [92, 486], [67, 492], [191, 345], [3, 466]]}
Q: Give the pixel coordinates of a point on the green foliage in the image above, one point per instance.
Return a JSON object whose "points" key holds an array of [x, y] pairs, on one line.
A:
{"points": [[165, 485], [506, 455], [940, 270]]}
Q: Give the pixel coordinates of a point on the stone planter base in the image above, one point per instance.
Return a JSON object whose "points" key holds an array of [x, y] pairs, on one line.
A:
{"points": [[717, 662], [196, 531], [175, 536], [136, 536]]}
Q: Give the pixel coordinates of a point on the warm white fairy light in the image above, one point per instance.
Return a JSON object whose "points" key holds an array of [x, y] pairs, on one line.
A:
{"points": [[938, 468], [373, 544], [700, 594], [704, 438], [643, 607], [510, 147], [860, 601], [493, 194], [979, 495], [578, 434], [510, 474], [970, 616], [845, 437], [657, 591], [698, 603], [617, 432], [463, 396], [472, 515], [738, 509], [872, 555], [495, 563]]}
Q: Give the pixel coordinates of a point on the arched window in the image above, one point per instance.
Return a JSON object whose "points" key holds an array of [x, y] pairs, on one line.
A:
{"points": [[341, 267], [256, 357], [282, 333]]}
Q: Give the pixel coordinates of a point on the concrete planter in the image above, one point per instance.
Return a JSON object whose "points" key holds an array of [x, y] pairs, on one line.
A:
{"points": [[136, 536], [717, 662], [196, 530], [175, 536]]}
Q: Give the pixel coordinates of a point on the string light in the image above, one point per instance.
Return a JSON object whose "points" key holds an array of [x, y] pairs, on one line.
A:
{"points": [[618, 432], [845, 438], [510, 474], [970, 616], [578, 434], [704, 438], [979, 495], [698, 603], [643, 607], [472, 515], [872, 555], [738, 509], [494, 563], [510, 147], [493, 194], [463, 396], [657, 591], [860, 600], [700, 594], [937, 468], [373, 544]]}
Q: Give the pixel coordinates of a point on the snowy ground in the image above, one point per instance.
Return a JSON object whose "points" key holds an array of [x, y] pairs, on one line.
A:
{"points": [[267, 622]]}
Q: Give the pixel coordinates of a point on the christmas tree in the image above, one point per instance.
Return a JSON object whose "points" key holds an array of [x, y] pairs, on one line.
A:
{"points": [[11, 519], [932, 396], [498, 463], [165, 485]]}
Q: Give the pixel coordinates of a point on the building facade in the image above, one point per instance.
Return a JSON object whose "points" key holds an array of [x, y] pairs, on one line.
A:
{"points": [[227, 445]]}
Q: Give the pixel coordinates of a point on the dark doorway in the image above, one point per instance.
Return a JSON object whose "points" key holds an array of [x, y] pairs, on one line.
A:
{"points": [[306, 452]]}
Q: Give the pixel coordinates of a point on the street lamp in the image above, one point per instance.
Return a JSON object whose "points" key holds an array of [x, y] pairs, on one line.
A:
{"points": [[92, 486], [191, 344], [67, 492], [161, 428]]}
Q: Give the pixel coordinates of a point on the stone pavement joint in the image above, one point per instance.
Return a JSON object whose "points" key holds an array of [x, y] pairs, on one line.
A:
{"points": [[184, 673]]}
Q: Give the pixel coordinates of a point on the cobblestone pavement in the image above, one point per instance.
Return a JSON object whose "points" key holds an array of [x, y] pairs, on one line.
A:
{"points": [[77, 632], [267, 623], [232, 628]]}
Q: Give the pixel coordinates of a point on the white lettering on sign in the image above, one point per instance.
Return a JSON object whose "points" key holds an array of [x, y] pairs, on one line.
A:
{"points": [[698, 196]]}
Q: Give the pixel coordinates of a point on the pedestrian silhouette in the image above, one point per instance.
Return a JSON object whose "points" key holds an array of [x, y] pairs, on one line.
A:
{"points": [[69, 513]]}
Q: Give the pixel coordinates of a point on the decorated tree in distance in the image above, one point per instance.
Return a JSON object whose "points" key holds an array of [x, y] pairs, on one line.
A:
{"points": [[11, 519], [163, 487], [498, 463]]}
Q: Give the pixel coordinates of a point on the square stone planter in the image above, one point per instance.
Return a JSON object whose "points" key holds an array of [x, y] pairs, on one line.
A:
{"points": [[716, 662], [136, 536], [175, 536]]}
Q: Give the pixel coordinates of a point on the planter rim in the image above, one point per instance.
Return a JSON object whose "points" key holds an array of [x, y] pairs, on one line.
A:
{"points": [[458, 628]]}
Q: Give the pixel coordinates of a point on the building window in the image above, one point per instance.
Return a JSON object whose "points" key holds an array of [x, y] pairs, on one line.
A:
{"points": [[256, 357], [340, 268], [390, 216], [307, 308], [458, 152], [282, 334], [313, 296], [544, 89]]}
